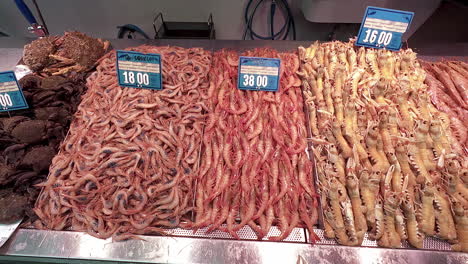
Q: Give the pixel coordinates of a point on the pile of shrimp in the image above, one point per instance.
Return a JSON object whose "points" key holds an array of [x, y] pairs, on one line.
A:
{"points": [[129, 163], [254, 170], [448, 88], [387, 160]]}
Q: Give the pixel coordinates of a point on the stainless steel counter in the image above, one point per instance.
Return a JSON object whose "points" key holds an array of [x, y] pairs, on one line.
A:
{"points": [[75, 247]]}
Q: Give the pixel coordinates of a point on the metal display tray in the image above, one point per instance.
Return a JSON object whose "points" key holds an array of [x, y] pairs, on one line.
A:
{"points": [[184, 246], [74, 247]]}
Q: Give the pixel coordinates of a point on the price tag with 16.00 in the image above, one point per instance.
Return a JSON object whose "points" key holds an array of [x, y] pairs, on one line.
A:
{"points": [[383, 28]]}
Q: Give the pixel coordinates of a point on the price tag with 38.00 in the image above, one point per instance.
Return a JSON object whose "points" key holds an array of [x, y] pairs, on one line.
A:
{"points": [[11, 95], [383, 28], [259, 74], [139, 70]]}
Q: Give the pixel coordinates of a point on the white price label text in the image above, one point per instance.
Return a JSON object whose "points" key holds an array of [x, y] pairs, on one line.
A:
{"points": [[383, 38], [250, 80], [5, 100], [141, 78]]}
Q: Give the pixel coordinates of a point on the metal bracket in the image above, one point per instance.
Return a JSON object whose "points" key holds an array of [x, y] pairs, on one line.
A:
{"points": [[37, 30], [211, 25], [158, 29]]}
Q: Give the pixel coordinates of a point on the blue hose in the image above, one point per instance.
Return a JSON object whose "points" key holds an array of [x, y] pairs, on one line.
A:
{"points": [[25, 11]]}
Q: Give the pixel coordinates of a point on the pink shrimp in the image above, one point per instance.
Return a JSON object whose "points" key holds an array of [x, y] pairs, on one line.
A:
{"points": [[305, 168], [444, 77], [460, 83], [224, 212], [249, 202], [283, 222]]}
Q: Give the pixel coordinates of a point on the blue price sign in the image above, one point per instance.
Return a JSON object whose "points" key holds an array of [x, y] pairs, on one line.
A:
{"points": [[260, 74], [11, 96], [383, 28], [139, 70]]}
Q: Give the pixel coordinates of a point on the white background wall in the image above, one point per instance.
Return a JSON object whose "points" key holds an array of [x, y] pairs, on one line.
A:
{"points": [[100, 17]]}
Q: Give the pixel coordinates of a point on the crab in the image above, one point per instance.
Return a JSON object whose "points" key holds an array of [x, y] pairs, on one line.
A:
{"points": [[54, 98], [30, 138], [72, 52], [38, 158], [12, 205], [36, 54], [5, 173], [29, 131], [56, 114], [5, 139]]}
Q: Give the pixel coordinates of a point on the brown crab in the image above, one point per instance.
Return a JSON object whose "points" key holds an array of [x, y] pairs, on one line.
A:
{"points": [[36, 54], [53, 97], [38, 158], [72, 52], [12, 205], [5, 173], [30, 138]]}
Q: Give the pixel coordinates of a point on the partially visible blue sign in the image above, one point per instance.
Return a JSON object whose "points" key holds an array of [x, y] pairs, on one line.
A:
{"points": [[139, 70], [11, 95], [383, 28], [259, 74]]}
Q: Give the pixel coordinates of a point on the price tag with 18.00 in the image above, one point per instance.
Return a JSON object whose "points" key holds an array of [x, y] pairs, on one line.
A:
{"points": [[383, 28], [139, 70], [11, 95], [259, 74]]}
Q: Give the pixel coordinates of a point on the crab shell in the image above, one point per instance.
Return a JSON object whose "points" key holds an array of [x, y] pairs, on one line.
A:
{"points": [[5, 172], [12, 122], [31, 131], [36, 54], [84, 51], [12, 205], [72, 52], [38, 158]]}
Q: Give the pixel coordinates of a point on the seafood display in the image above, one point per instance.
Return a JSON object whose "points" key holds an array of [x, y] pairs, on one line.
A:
{"points": [[30, 138], [254, 169], [367, 144], [129, 163], [448, 89], [387, 160], [63, 55]]}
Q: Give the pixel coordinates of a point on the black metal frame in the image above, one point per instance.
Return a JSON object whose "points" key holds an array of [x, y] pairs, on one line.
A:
{"points": [[162, 27]]}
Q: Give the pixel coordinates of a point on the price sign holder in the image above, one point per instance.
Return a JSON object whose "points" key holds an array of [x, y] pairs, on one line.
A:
{"points": [[258, 74], [383, 28], [139, 70], [11, 95]]}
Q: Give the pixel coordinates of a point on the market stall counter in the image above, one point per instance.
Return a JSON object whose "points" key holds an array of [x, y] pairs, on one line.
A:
{"points": [[189, 237]]}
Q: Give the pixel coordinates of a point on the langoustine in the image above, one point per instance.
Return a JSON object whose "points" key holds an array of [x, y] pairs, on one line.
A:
{"points": [[401, 144]]}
